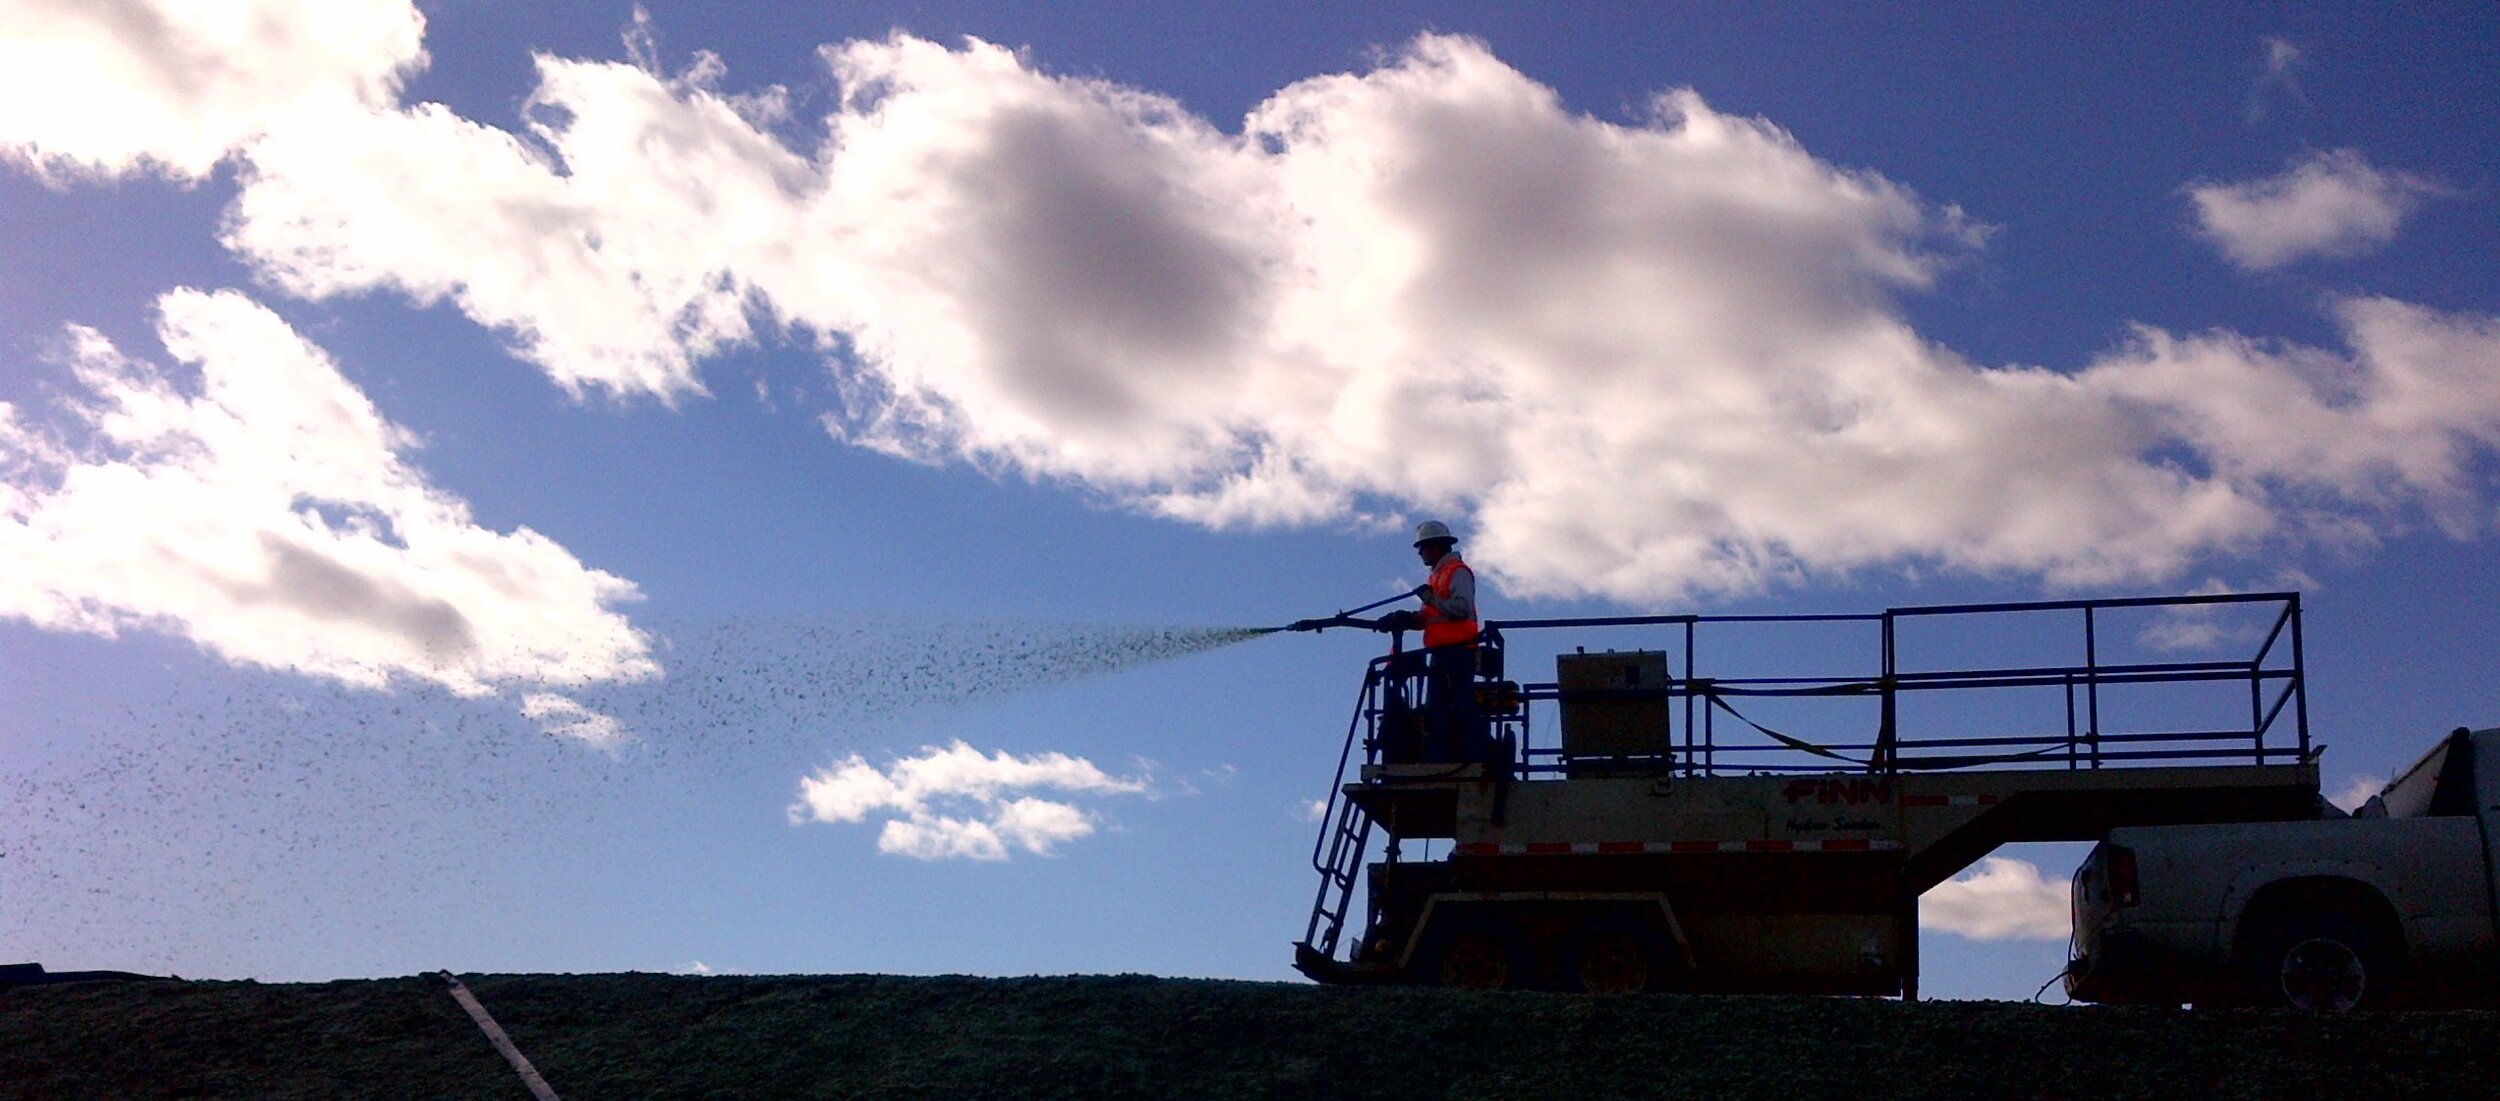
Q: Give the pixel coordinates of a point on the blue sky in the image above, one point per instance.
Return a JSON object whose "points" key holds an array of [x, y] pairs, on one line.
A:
{"points": [[522, 487]]}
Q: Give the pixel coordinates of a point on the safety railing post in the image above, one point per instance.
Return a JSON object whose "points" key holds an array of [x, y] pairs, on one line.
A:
{"points": [[1710, 739], [2073, 757], [1887, 755], [2092, 684], [2300, 679], [2257, 706], [1692, 750]]}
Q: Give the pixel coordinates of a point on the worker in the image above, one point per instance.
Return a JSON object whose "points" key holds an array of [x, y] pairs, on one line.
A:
{"points": [[1452, 730], [1448, 617]]}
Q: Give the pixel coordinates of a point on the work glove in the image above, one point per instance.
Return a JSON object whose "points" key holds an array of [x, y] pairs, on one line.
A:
{"points": [[1424, 591], [1401, 621]]}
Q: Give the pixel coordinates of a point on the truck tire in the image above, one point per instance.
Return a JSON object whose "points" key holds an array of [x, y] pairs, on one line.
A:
{"points": [[2326, 962], [1619, 953], [1471, 952]]}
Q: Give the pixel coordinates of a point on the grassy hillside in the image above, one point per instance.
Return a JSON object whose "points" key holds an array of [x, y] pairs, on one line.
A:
{"points": [[658, 1036]]}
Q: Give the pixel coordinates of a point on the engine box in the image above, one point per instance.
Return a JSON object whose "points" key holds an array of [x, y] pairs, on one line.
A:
{"points": [[1614, 707]]}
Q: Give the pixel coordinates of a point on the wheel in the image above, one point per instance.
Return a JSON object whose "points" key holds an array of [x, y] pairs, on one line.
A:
{"points": [[1474, 961], [1619, 954], [2323, 963], [1613, 963], [1471, 952]]}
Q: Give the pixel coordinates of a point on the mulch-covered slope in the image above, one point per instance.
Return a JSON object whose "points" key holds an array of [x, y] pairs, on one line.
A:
{"points": [[658, 1036]]}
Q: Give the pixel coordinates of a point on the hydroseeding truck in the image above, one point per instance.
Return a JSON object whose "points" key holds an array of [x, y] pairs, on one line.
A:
{"points": [[1716, 808]]}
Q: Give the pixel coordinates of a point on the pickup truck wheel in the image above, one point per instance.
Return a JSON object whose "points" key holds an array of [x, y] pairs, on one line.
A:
{"points": [[2323, 963]]}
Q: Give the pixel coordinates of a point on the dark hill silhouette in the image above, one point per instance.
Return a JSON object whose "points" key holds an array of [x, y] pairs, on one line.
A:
{"points": [[886, 1037]]}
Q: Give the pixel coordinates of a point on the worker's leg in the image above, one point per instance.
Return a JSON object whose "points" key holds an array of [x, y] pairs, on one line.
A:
{"points": [[1438, 745], [1475, 743], [1451, 731]]}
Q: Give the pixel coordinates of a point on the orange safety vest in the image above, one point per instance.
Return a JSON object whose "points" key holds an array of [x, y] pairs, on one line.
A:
{"points": [[1442, 629]]}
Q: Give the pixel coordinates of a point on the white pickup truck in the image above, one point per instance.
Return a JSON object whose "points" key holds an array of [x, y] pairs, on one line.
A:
{"points": [[2392, 905]]}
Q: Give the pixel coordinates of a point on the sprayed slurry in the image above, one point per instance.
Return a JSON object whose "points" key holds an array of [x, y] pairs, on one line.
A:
{"points": [[243, 823], [740, 684]]}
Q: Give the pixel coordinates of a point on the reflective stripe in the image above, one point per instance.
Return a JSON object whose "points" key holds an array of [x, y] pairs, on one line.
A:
{"points": [[1948, 800]]}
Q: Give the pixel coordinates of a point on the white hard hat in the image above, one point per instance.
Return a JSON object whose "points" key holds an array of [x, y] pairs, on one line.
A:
{"points": [[1431, 530]]}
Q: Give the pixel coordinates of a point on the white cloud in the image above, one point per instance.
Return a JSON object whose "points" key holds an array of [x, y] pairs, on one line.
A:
{"points": [[1999, 899], [2356, 791], [2183, 629], [2398, 421], [2330, 204], [1640, 360], [608, 249], [101, 87], [567, 718], [939, 837], [957, 802], [2279, 61], [1314, 810], [1034, 825], [693, 967], [269, 516], [2193, 627]]}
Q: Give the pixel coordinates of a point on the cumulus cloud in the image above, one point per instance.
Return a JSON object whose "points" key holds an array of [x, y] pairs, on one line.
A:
{"points": [[266, 511], [2401, 419], [102, 87], [616, 234], [955, 801], [1642, 359], [1998, 899], [2329, 204]]}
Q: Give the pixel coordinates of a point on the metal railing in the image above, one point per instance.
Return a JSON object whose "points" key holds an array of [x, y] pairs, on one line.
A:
{"points": [[1711, 733], [1889, 742]]}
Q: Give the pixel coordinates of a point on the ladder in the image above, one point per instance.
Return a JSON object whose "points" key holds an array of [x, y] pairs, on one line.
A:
{"points": [[1339, 860], [1337, 855]]}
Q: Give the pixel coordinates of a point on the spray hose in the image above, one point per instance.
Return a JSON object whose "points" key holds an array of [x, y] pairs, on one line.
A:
{"points": [[1345, 618]]}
